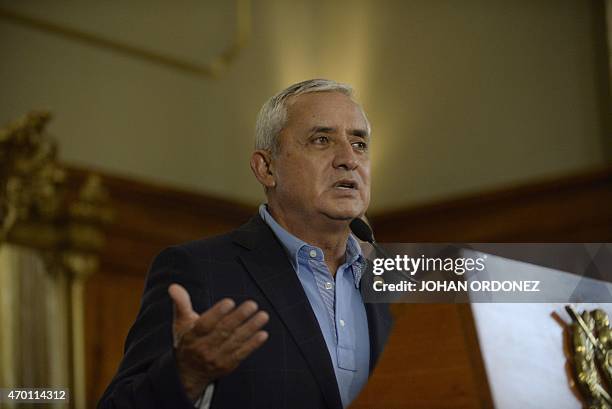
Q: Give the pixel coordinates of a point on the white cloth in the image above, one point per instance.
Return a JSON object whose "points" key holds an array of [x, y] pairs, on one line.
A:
{"points": [[203, 401]]}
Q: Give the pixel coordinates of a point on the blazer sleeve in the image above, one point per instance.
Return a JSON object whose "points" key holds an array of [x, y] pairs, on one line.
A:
{"points": [[147, 376]]}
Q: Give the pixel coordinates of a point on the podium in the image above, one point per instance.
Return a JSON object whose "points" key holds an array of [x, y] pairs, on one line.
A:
{"points": [[483, 354]]}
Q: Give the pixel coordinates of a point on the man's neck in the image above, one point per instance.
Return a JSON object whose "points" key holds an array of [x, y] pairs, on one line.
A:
{"points": [[329, 235]]}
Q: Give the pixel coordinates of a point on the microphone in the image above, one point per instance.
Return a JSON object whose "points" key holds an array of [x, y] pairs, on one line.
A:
{"points": [[364, 232]]}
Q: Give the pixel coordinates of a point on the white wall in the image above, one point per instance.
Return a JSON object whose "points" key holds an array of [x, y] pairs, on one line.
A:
{"points": [[463, 96]]}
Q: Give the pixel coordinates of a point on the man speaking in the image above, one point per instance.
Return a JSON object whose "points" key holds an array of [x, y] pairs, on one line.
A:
{"points": [[270, 315]]}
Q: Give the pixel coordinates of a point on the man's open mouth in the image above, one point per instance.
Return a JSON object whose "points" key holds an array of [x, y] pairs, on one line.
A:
{"points": [[346, 184]]}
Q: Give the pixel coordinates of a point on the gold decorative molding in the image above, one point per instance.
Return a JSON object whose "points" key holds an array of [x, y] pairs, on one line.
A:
{"points": [[50, 241], [212, 69], [35, 208], [29, 174]]}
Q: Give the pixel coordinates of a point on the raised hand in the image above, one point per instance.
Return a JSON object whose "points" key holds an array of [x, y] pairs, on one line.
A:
{"points": [[211, 345]]}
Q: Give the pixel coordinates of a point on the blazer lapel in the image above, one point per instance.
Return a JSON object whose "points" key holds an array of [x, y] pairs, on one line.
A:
{"points": [[269, 266]]}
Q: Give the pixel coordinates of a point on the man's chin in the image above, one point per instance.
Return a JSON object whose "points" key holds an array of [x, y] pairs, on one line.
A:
{"points": [[341, 218], [343, 214]]}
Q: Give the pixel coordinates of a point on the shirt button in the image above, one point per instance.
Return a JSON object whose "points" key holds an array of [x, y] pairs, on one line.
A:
{"points": [[328, 285], [313, 253], [342, 323]]}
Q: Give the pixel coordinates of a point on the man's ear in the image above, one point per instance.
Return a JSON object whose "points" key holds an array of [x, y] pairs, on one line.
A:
{"points": [[262, 167]]}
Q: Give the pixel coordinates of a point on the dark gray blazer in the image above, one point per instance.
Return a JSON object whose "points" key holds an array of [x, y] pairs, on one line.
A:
{"points": [[291, 370]]}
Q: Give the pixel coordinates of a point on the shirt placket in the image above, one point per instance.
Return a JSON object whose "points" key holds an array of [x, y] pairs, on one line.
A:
{"points": [[325, 284], [346, 341]]}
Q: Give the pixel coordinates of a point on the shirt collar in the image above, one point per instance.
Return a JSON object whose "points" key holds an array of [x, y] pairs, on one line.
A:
{"points": [[295, 247]]}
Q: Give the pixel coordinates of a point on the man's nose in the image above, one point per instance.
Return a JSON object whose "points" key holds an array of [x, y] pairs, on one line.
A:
{"points": [[345, 156]]}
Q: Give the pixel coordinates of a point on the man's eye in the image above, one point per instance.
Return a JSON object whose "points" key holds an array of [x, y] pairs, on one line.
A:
{"points": [[362, 146], [321, 140]]}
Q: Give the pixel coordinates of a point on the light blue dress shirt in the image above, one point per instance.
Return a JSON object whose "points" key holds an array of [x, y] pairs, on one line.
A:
{"points": [[337, 304]]}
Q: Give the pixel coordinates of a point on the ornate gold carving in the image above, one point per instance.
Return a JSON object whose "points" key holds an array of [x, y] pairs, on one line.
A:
{"points": [[35, 207], [212, 69], [38, 211], [29, 174], [592, 343]]}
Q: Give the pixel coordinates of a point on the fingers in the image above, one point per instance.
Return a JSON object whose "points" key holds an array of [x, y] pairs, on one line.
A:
{"points": [[250, 327], [246, 338], [250, 345], [210, 319], [226, 333], [229, 323]]}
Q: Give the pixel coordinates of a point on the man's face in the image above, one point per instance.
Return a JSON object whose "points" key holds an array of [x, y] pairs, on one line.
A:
{"points": [[322, 167]]}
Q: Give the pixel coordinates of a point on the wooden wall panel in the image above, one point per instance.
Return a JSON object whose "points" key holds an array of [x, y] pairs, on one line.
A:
{"points": [[149, 218], [112, 301], [428, 363], [576, 208]]}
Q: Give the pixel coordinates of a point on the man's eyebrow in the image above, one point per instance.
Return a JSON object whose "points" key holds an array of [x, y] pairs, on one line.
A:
{"points": [[362, 133], [323, 129]]}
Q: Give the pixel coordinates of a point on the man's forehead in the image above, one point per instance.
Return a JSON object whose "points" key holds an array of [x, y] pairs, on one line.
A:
{"points": [[324, 107]]}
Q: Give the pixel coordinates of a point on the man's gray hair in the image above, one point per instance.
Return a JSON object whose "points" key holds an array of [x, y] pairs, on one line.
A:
{"points": [[273, 114]]}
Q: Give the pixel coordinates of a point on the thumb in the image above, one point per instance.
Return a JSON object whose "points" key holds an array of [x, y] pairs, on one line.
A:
{"points": [[184, 315]]}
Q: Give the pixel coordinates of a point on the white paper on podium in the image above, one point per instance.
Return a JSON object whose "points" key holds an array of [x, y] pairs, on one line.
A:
{"points": [[525, 346]]}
